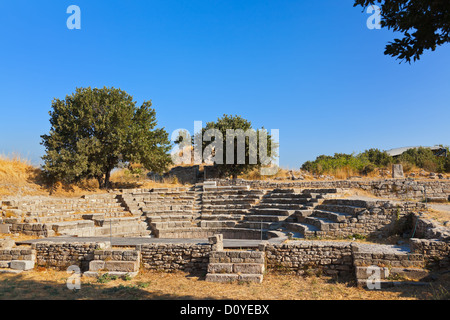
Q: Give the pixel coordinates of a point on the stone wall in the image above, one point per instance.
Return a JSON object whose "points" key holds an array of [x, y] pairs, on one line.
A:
{"points": [[7, 255], [156, 256], [432, 240], [387, 188], [303, 257], [188, 175], [172, 257], [429, 229], [383, 218], [436, 253], [62, 255], [30, 229]]}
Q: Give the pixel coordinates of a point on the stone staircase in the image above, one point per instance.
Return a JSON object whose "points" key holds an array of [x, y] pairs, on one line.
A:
{"points": [[114, 263], [389, 266], [225, 207], [15, 259], [91, 215], [229, 266], [279, 207], [164, 210], [330, 219]]}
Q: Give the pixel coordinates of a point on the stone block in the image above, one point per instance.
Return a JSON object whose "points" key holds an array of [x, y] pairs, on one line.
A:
{"points": [[6, 244], [365, 273], [220, 268], [397, 171], [22, 264], [96, 265], [121, 266], [5, 228], [252, 268], [258, 278], [221, 277]]}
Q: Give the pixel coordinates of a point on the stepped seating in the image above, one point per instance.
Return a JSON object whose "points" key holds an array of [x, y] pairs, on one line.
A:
{"points": [[163, 208], [331, 218], [279, 207], [229, 266], [227, 206], [91, 215]]}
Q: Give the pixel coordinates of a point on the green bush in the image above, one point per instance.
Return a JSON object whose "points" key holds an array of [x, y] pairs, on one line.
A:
{"points": [[367, 161]]}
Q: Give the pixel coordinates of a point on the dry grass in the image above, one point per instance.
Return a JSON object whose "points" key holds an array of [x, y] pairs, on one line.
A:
{"points": [[50, 284], [437, 215], [123, 178], [19, 178]]}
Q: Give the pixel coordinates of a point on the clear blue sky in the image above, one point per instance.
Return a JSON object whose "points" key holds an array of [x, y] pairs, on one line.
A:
{"points": [[311, 69]]}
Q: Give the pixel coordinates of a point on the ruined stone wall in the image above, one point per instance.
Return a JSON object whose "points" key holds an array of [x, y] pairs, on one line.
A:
{"points": [[302, 257], [380, 219], [436, 253], [172, 257], [156, 256], [429, 229], [189, 175], [62, 255], [6, 255], [386, 188]]}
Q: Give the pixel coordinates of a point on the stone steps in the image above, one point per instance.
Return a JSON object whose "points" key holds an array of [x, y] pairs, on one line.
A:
{"points": [[171, 224], [389, 267], [169, 217], [265, 218], [234, 217], [16, 260], [346, 209], [287, 202], [305, 229], [336, 217], [322, 223], [229, 266], [273, 212], [264, 225], [114, 263], [226, 211], [150, 214], [208, 207]]}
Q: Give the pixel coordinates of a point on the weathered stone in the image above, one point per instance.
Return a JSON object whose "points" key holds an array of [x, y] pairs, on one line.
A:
{"points": [[22, 264], [6, 244]]}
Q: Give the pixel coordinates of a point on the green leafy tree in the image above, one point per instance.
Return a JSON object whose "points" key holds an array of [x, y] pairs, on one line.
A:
{"points": [[95, 130], [425, 24], [423, 158], [377, 157], [251, 149]]}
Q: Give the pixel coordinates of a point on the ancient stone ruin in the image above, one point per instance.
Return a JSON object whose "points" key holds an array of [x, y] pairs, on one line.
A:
{"points": [[233, 230]]}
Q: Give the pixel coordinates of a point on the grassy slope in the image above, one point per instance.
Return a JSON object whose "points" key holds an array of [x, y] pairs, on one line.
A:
{"points": [[19, 178]]}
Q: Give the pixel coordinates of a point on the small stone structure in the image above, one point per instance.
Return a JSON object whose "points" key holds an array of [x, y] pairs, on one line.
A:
{"points": [[397, 171], [115, 263], [234, 265]]}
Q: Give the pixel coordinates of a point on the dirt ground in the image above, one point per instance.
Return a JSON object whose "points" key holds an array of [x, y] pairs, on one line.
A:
{"points": [[44, 284]]}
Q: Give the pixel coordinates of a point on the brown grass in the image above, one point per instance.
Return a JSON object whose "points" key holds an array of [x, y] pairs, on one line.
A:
{"points": [[50, 284], [19, 178]]}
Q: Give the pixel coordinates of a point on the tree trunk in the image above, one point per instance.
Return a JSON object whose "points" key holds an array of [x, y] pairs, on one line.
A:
{"points": [[100, 182], [107, 178]]}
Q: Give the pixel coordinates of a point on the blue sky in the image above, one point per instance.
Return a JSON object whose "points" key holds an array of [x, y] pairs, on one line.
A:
{"points": [[311, 69]]}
